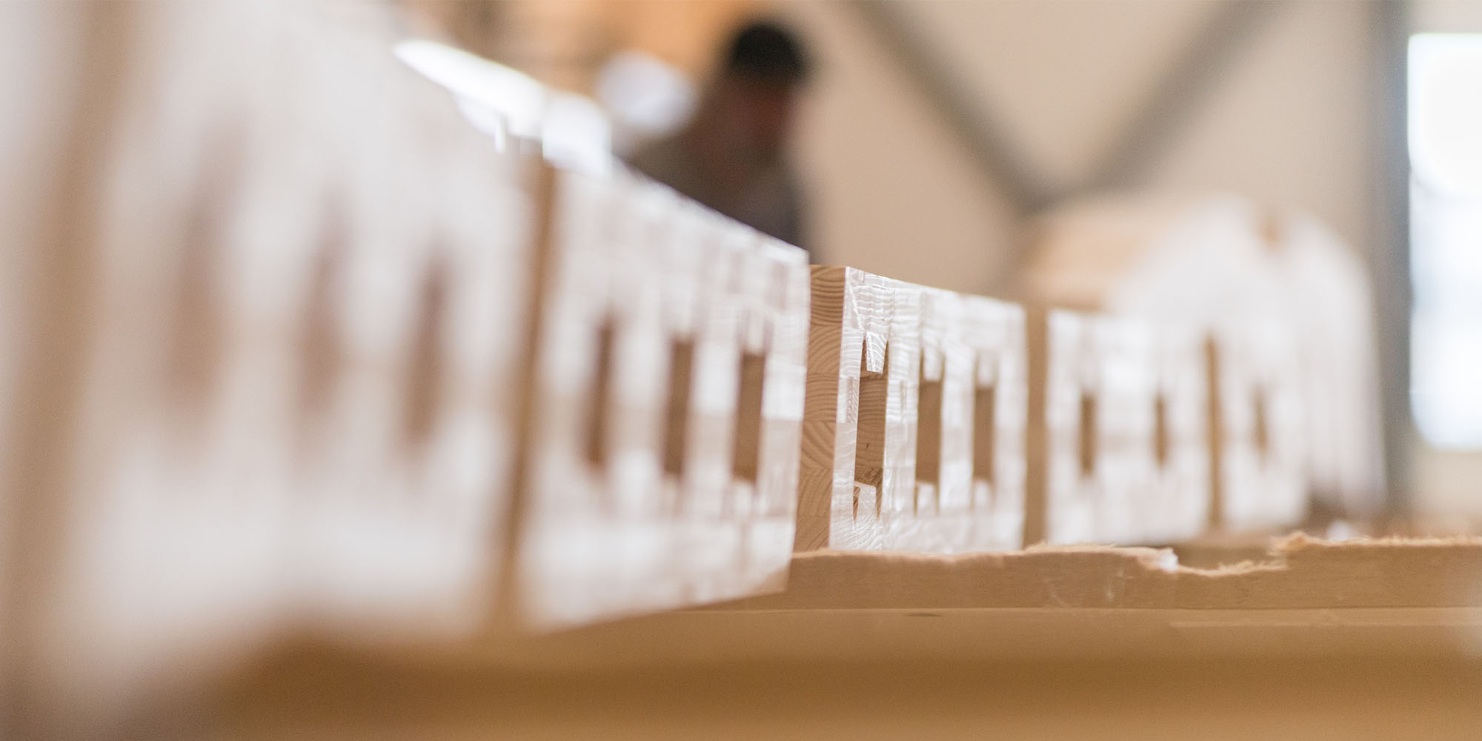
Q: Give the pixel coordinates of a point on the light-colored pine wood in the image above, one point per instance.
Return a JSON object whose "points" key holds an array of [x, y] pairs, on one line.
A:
{"points": [[915, 418], [280, 335], [777, 293], [668, 394], [1258, 443], [269, 344], [1177, 501], [1220, 263], [1117, 431], [970, 427], [859, 428]]}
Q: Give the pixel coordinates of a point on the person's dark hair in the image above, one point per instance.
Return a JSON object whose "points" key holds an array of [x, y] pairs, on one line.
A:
{"points": [[766, 52]]}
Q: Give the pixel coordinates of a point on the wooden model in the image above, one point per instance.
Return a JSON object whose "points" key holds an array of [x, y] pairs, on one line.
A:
{"points": [[1258, 464], [268, 350], [1175, 506], [970, 427], [1116, 449], [284, 343], [859, 428], [666, 405], [915, 419], [1218, 263]]}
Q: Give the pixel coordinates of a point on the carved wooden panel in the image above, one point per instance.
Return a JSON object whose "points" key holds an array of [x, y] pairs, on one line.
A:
{"points": [[969, 491], [1259, 473], [915, 419], [1217, 262], [270, 325], [1176, 505], [668, 404], [1116, 442]]}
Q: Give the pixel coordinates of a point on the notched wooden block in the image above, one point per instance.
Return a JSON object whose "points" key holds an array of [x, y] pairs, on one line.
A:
{"points": [[668, 404], [277, 390], [1115, 451], [916, 411], [1176, 501], [770, 403], [969, 489], [859, 428], [1256, 431]]}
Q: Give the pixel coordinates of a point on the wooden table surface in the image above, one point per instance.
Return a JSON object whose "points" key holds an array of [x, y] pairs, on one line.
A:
{"points": [[860, 648]]}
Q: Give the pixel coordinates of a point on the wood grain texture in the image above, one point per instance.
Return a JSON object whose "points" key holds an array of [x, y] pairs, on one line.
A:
{"points": [[668, 398], [915, 420], [1296, 572], [1116, 454], [858, 460]]}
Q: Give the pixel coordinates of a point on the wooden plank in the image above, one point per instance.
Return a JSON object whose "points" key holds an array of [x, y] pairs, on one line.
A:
{"points": [[591, 536], [1220, 264], [1298, 572], [46, 226], [1302, 598], [777, 289], [405, 425]]}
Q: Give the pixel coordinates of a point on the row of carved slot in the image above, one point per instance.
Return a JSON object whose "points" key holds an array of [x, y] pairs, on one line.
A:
{"points": [[1119, 431]]}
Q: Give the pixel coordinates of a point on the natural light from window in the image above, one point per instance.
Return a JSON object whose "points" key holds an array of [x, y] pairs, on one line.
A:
{"points": [[1445, 132]]}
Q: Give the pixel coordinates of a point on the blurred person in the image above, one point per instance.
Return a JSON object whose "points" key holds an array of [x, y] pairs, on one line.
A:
{"points": [[732, 156]]}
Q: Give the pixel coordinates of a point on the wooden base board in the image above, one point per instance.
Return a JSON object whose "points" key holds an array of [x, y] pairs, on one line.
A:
{"points": [[1321, 640], [1311, 598]]}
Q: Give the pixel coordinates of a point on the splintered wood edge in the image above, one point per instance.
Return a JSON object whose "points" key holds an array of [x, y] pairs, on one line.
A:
{"points": [[1300, 572]]}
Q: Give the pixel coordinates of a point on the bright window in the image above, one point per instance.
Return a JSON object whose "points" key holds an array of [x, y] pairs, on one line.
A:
{"points": [[1445, 130]]}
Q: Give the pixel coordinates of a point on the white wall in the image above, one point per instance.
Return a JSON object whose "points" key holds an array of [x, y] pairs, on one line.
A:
{"points": [[891, 191], [896, 192]]}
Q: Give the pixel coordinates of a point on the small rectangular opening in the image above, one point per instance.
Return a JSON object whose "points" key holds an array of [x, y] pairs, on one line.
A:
{"points": [[677, 408], [928, 437], [1261, 431], [1160, 431], [425, 373], [1090, 428], [601, 399], [320, 342], [746, 457], [869, 450], [985, 433]]}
